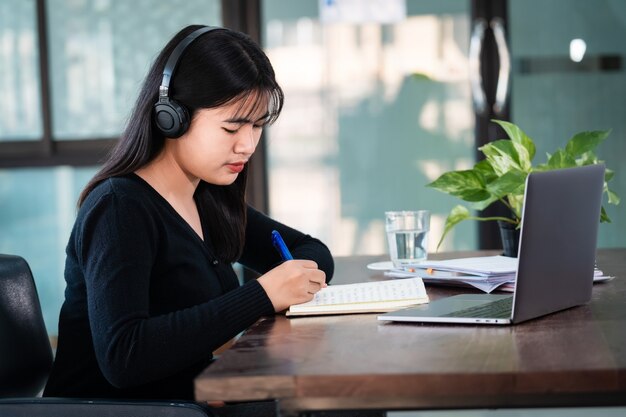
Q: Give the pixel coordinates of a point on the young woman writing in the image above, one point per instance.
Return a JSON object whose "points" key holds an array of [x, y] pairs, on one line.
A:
{"points": [[151, 291]]}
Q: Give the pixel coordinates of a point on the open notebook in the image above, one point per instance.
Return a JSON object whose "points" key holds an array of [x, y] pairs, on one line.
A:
{"points": [[365, 297]]}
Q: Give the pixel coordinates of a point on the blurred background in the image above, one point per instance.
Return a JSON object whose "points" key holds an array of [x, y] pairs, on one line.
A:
{"points": [[381, 98]]}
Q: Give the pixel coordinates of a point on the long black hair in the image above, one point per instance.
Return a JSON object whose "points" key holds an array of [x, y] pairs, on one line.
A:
{"points": [[220, 67]]}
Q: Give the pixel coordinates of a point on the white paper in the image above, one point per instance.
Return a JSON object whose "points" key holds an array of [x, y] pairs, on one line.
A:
{"points": [[362, 11], [480, 265], [369, 292]]}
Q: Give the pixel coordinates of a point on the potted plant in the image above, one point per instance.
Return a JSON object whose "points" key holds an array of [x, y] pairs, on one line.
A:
{"points": [[501, 176]]}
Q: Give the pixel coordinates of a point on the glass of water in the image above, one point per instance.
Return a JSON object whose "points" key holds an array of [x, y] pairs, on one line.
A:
{"points": [[407, 235]]}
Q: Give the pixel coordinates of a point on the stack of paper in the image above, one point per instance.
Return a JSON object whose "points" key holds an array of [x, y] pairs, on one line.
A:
{"points": [[485, 273], [598, 276]]}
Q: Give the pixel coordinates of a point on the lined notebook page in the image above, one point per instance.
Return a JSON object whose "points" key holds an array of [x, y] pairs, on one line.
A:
{"points": [[364, 297], [368, 292]]}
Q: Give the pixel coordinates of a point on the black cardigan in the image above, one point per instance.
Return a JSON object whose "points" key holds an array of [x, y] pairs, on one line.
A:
{"points": [[147, 301]]}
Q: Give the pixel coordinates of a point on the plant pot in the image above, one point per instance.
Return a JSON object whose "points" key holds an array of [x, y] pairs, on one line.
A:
{"points": [[510, 238]]}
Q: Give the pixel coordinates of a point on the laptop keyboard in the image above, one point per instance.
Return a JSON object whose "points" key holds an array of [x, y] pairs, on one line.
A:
{"points": [[499, 309]]}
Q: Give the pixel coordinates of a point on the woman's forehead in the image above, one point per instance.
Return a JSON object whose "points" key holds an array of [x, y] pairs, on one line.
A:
{"points": [[251, 106]]}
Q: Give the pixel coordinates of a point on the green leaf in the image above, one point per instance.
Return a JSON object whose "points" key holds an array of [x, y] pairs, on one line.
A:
{"points": [[604, 218], [467, 185], [584, 142], [456, 216], [608, 174], [502, 155], [502, 164], [510, 183], [561, 159], [460, 213], [501, 147], [524, 157], [588, 158], [613, 198], [483, 204], [516, 201], [505, 154], [485, 170], [517, 135]]}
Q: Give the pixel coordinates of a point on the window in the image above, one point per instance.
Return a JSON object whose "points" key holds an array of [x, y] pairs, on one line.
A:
{"points": [[69, 76], [373, 112], [20, 84], [74, 69]]}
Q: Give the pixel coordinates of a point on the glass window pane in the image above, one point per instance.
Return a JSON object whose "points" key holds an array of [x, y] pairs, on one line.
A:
{"points": [[100, 52], [570, 76], [37, 212], [20, 118], [373, 112]]}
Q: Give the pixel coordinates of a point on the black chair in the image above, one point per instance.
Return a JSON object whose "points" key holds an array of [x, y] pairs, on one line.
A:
{"points": [[26, 360]]}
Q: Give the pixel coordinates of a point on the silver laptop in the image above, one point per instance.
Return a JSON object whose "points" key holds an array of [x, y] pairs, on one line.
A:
{"points": [[555, 261]]}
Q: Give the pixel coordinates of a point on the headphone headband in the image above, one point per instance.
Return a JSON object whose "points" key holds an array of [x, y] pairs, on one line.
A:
{"points": [[172, 61]]}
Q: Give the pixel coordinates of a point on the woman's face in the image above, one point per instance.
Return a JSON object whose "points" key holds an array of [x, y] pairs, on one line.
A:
{"points": [[220, 141]]}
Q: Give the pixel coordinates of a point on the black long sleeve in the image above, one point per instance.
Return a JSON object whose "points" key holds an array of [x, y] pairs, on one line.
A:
{"points": [[147, 301], [260, 255]]}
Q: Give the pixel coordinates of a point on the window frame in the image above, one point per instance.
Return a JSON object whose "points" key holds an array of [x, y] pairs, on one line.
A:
{"points": [[48, 151]]}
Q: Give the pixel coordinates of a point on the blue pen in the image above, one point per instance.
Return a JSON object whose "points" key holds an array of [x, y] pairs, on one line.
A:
{"points": [[279, 244]]}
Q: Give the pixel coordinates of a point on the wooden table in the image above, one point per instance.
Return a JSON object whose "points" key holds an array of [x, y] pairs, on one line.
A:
{"points": [[571, 358]]}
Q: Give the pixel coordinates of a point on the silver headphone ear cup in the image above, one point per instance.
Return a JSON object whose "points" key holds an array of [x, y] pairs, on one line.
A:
{"points": [[171, 118]]}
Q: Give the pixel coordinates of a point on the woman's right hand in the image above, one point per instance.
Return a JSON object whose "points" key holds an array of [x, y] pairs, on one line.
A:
{"points": [[292, 282]]}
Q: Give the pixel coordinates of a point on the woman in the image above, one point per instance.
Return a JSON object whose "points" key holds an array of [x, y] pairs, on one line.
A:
{"points": [[150, 287]]}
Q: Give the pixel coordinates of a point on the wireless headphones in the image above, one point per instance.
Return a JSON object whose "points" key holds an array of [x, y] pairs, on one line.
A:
{"points": [[171, 117]]}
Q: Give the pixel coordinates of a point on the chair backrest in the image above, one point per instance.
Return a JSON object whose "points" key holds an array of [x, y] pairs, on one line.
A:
{"points": [[25, 352]]}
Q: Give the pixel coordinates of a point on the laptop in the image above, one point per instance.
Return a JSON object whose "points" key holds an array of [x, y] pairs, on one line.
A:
{"points": [[556, 255]]}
